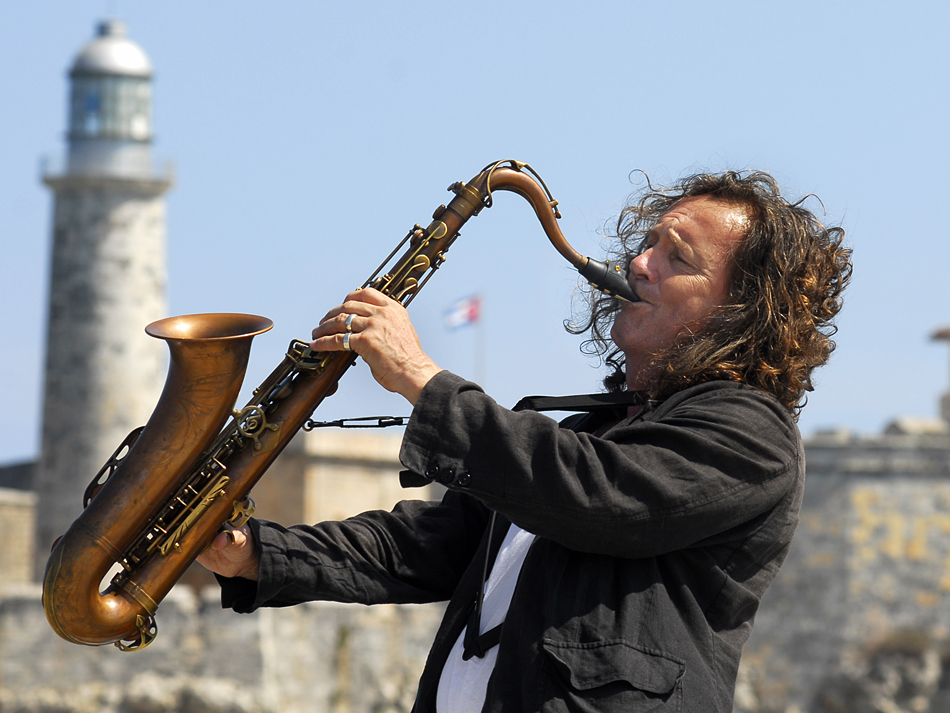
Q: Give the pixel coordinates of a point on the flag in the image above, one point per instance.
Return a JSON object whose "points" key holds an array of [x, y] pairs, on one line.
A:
{"points": [[463, 312]]}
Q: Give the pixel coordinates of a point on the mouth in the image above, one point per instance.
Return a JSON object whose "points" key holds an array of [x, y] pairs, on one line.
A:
{"points": [[625, 292], [628, 293], [629, 296], [609, 281]]}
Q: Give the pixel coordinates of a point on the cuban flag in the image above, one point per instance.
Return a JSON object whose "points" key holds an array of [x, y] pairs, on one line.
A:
{"points": [[463, 312]]}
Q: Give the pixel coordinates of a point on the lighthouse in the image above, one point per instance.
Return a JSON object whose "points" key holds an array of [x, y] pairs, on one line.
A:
{"points": [[107, 279]]}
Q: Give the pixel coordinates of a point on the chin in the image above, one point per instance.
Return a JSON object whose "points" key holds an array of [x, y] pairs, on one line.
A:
{"points": [[626, 334]]}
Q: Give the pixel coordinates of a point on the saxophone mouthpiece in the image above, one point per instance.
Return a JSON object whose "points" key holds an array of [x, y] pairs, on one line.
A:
{"points": [[609, 279]]}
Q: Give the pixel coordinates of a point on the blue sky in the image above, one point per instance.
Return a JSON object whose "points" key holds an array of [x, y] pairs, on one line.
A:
{"points": [[307, 137]]}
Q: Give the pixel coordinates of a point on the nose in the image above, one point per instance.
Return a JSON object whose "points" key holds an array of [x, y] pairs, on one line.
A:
{"points": [[641, 267]]}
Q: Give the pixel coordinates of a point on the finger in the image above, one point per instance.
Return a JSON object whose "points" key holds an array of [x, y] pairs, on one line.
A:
{"points": [[358, 299], [370, 295], [328, 324], [379, 297], [239, 536], [235, 537], [221, 540], [334, 321], [344, 321], [336, 342]]}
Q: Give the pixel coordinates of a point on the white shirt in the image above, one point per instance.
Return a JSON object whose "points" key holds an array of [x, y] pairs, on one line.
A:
{"points": [[463, 684]]}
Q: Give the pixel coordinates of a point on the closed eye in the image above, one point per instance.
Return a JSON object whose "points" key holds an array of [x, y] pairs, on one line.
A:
{"points": [[677, 256]]}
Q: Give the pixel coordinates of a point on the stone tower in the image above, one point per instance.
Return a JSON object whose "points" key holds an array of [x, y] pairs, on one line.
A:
{"points": [[943, 335], [107, 278]]}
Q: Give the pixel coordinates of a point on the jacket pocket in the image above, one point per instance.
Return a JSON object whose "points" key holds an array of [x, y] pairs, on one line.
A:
{"points": [[612, 676]]}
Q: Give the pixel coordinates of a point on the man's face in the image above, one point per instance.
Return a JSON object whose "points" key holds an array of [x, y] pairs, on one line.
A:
{"points": [[681, 278]]}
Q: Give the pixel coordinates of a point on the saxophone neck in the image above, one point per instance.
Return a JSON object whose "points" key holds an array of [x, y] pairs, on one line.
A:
{"points": [[520, 178]]}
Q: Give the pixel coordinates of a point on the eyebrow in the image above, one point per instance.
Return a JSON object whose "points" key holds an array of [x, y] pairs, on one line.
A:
{"points": [[684, 246], [700, 261]]}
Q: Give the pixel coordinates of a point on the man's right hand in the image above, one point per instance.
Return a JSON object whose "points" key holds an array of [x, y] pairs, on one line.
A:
{"points": [[232, 554]]}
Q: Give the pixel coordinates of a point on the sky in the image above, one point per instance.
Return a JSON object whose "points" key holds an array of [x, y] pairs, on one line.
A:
{"points": [[308, 137]]}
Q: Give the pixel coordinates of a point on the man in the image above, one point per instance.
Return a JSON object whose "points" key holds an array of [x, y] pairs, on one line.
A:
{"points": [[626, 549]]}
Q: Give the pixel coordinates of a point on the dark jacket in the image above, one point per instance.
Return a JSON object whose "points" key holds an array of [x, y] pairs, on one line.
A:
{"points": [[655, 544]]}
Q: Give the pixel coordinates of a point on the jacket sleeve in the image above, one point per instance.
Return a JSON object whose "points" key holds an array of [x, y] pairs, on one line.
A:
{"points": [[707, 460], [415, 554]]}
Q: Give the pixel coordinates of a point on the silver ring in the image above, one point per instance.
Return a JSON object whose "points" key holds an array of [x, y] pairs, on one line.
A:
{"points": [[346, 342], [349, 322]]}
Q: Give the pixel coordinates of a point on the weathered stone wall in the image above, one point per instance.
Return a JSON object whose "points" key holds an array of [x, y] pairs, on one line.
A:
{"points": [[332, 474], [325, 657], [17, 520], [857, 621], [321, 656], [869, 566]]}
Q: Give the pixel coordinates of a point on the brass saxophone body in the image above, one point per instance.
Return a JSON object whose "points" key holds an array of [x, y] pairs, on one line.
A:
{"points": [[171, 485]]}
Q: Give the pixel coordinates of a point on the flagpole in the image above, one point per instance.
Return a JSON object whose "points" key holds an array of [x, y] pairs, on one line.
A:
{"points": [[468, 312], [480, 352]]}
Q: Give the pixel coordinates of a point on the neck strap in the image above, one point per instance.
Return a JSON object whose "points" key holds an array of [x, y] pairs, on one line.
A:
{"points": [[581, 402]]}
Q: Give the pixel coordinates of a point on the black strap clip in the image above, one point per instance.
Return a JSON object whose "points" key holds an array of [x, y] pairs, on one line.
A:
{"points": [[476, 644]]}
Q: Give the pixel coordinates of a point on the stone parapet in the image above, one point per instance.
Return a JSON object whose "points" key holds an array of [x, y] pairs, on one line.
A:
{"points": [[153, 185], [869, 566], [17, 523], [889, 455], [315, 657], [334, 474]]}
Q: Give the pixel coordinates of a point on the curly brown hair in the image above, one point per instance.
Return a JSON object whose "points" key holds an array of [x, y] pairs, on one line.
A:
{"points": [[789, 273]]}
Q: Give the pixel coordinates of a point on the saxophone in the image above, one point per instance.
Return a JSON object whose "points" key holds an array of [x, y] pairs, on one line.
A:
{"points": [[174, 483]]}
